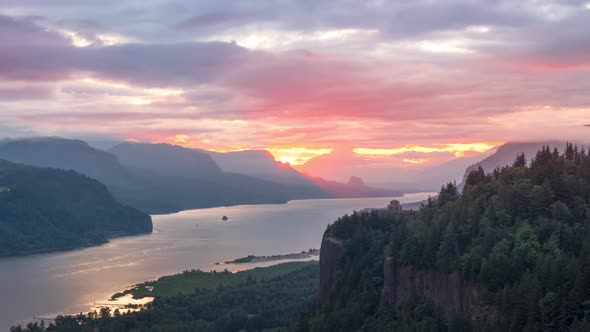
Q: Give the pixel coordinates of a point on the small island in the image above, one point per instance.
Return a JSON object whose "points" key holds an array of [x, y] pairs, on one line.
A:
{"points": [[257, 259], [224, 218]]}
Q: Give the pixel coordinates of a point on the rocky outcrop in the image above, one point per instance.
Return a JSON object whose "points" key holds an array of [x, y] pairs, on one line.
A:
{"points": [[330, 253], [450, 293]]}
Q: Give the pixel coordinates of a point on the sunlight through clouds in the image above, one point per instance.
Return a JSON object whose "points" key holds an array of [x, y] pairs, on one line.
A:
{"points": [[457, 149], [288, 75], [296, 155], [272, 39], [450, 46]]}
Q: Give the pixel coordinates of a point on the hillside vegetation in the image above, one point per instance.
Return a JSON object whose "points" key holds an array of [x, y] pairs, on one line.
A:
{"points": [[270, 299], [44, 210], [521, 233], [515, 241]]}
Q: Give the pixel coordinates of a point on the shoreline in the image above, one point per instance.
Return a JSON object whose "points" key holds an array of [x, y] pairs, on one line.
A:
{"points": [[172, 228], [297, 200], [143, 290], [259, 259]]}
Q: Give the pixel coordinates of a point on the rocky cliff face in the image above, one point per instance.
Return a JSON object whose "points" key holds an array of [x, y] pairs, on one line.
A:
{"points": [[450, 293], [330, 253]]}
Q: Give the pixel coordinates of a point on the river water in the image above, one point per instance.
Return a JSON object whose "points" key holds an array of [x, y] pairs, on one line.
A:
{"points": [[70, 282]]}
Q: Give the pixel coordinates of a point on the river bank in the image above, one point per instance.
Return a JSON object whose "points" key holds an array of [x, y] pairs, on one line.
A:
{"points": [[257, 259], [71, 282]]}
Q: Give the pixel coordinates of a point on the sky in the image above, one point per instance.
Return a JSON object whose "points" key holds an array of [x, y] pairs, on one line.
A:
{"points": [[390, 84]]}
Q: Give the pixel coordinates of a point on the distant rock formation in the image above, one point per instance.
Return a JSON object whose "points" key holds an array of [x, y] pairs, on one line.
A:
{"points": [[354, 188], [355, 181]]}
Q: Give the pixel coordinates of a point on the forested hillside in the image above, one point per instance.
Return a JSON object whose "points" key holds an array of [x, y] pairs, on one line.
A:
{"points": [[44, 210], [504, 156], [510, 253]]}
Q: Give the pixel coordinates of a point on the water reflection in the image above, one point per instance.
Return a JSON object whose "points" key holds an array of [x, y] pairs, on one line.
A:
{"points": [[70, 282]]}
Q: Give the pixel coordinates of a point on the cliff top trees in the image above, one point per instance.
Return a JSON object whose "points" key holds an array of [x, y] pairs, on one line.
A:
{"points": [[521, 231]]}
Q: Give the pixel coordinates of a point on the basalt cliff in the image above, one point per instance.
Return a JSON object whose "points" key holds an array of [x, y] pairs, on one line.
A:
{"points": [[509, 252], [449, 293]]}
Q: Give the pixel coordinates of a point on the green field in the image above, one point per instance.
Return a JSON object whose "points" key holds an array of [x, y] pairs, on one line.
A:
{"points": [[196, 280], [270, 298]]}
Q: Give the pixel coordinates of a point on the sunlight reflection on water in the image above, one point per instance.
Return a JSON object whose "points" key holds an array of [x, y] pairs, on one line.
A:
{"points": [[70, 282]]}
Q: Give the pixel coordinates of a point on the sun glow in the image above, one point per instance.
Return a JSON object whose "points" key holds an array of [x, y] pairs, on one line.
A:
{"points": [[123, 93], [181, 139], [414, 161], [271, 39], [296, 156], [457, 149], [77, 40]]}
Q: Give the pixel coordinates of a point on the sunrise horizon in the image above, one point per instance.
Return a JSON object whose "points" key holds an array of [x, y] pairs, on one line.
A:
{"points": [[418, 91], [295, 165]]}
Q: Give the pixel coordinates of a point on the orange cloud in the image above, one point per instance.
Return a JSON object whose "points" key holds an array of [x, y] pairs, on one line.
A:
{"points": [[458, 149], [296, 155], [181, 139], [414, 161]]}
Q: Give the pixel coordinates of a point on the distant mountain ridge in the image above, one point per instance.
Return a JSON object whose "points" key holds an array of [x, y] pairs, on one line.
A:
{"points": [[355, 187], [164, 178], [240, 170], [166, 159], [259, 164], [43, 210], [504, 155], [129, 186], [195, 176]]}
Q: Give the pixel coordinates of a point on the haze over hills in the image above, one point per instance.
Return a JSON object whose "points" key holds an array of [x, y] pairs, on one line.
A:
{"points": [[160, 183], [355, 187], [199, 177], [161, 178], [251, 173], [166, 159], [260, 164], [44, 210], [65, 154], [378, 172], [132, 187], [504, 155]]}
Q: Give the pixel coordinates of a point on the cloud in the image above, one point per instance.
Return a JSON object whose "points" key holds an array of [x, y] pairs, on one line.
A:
{"points": [[309, 74], [20, 92], [552, 46]]}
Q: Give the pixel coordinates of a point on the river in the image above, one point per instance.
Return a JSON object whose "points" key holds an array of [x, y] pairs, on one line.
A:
{"points": [[70, 282]]}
